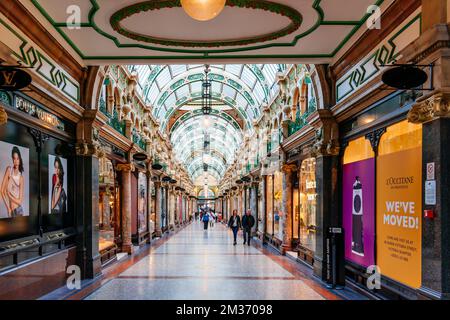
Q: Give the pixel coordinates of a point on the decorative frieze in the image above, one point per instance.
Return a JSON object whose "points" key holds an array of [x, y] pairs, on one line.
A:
{"points": [[386, 52], [437, 106], [30, 55]]}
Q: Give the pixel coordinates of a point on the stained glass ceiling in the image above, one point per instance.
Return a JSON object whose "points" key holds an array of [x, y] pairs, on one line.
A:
{"points": [[244, 88]]}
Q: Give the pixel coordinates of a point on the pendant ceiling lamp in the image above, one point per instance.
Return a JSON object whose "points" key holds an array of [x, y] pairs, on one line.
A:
{"points": [[206, 93], [203, 10]]}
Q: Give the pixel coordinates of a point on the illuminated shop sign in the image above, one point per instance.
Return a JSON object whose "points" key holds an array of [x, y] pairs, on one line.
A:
{"points": [[37, 112]]}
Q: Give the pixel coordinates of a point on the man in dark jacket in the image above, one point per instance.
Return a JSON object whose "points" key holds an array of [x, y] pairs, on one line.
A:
{"points": [[247, 224]]}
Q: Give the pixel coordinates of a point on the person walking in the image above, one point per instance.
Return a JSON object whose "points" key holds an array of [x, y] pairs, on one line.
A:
{"points": [[205, 220], [248, 221], [212, 219], [234, 223]]}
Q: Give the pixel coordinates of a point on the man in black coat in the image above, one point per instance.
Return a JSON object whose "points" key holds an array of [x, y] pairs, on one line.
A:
{"points": [[247, 224]]}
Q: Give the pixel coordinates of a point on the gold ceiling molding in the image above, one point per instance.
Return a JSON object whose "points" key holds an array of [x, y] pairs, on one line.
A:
{"points": [[436, 106]]}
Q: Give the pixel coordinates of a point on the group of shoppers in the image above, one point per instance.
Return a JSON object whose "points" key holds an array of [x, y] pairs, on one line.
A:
{"points": [[208, 218], [235, 223], [247, 223]]}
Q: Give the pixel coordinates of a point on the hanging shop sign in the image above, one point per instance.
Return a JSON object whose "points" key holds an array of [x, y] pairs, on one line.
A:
{"points": [[37, 112], [399, 207], [13, 79]]}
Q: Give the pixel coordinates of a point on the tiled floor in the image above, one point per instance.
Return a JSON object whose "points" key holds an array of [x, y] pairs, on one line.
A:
{"points": [[203, 265]]}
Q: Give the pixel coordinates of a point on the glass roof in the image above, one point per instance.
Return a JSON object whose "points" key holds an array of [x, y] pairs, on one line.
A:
{"points": [[243, 87], [189, 138]]}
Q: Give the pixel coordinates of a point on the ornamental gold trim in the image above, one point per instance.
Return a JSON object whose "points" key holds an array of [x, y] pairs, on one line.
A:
{"points": [[437, 106]]}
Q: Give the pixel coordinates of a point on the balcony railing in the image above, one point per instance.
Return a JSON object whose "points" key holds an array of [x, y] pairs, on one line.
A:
{"points": [[301, 119]]}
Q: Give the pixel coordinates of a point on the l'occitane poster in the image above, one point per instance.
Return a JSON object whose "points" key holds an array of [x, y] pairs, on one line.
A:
{"points": [[399, 208]]}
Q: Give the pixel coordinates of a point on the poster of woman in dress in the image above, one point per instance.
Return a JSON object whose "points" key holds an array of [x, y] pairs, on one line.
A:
{"points": [[57, 184], [142, 202], [14, 171]]}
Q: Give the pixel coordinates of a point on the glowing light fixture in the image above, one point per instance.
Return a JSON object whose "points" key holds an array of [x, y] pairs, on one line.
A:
{"points": [[203, 10]]}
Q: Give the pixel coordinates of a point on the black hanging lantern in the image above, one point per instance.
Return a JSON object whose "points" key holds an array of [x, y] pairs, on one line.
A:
{"points": [[156, 166], [404, 77], [140, 156], [206, 93]]}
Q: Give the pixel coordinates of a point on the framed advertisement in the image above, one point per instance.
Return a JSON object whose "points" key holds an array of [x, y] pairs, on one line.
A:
{"points": [[15, 186], [57, 184]]}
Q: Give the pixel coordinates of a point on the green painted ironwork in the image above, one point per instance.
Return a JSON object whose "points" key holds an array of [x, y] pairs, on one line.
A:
{"points": [[301, 119], [115, 123]]}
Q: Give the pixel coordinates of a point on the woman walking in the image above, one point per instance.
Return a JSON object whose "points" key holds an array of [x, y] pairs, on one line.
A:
{"points": [[235, 224]]}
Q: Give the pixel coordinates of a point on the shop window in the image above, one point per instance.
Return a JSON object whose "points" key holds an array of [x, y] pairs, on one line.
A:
{"points": [[269, 205], [308, 195], [108, 206], [358, 202], [278, 204], [296, 213], [399, 204]]}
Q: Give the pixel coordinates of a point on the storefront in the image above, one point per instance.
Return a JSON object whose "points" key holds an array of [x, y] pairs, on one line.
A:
{"points": [[110, 235], [382, 197], [304, 210], [38, 203], [274, 208], [152, 220], [139, 205]]}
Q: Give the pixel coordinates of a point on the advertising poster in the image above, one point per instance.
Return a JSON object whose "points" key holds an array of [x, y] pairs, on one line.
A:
{"points": [[57, 184], [142, 202], [358, 205], [399, 224], [15, 186]]}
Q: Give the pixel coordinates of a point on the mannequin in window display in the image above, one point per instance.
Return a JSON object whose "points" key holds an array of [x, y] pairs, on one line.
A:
{"points": [[141, 210], [13, 184], [59, 197], [357, 219]]}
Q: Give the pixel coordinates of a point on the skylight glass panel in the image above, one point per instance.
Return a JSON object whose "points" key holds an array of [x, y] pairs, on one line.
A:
{"points": [[178, 69], [234, 69]]}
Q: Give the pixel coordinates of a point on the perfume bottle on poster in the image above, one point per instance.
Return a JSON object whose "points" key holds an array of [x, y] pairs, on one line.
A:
{"points": [[357, 218]]}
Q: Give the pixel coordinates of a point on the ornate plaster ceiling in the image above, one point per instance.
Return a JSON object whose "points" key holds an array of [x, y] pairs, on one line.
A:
{"points": [[137, 31]]}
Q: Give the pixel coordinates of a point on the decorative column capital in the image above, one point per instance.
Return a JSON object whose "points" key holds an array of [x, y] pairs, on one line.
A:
{"points": [[3, 116], [125, 167], [289, 168], [89, 149], [436, 106]]}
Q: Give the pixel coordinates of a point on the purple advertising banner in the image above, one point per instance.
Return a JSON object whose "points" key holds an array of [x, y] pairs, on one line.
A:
{"points": [[358, 211]]}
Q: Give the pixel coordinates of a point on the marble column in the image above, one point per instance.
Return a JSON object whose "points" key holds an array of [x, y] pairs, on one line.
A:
{"points": [[87, 212], [158, 199], [149, 202], [288, 170], [327, 214], [254, 205], [262, 209], [171, 208], [432, 110], [126, 170]]}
